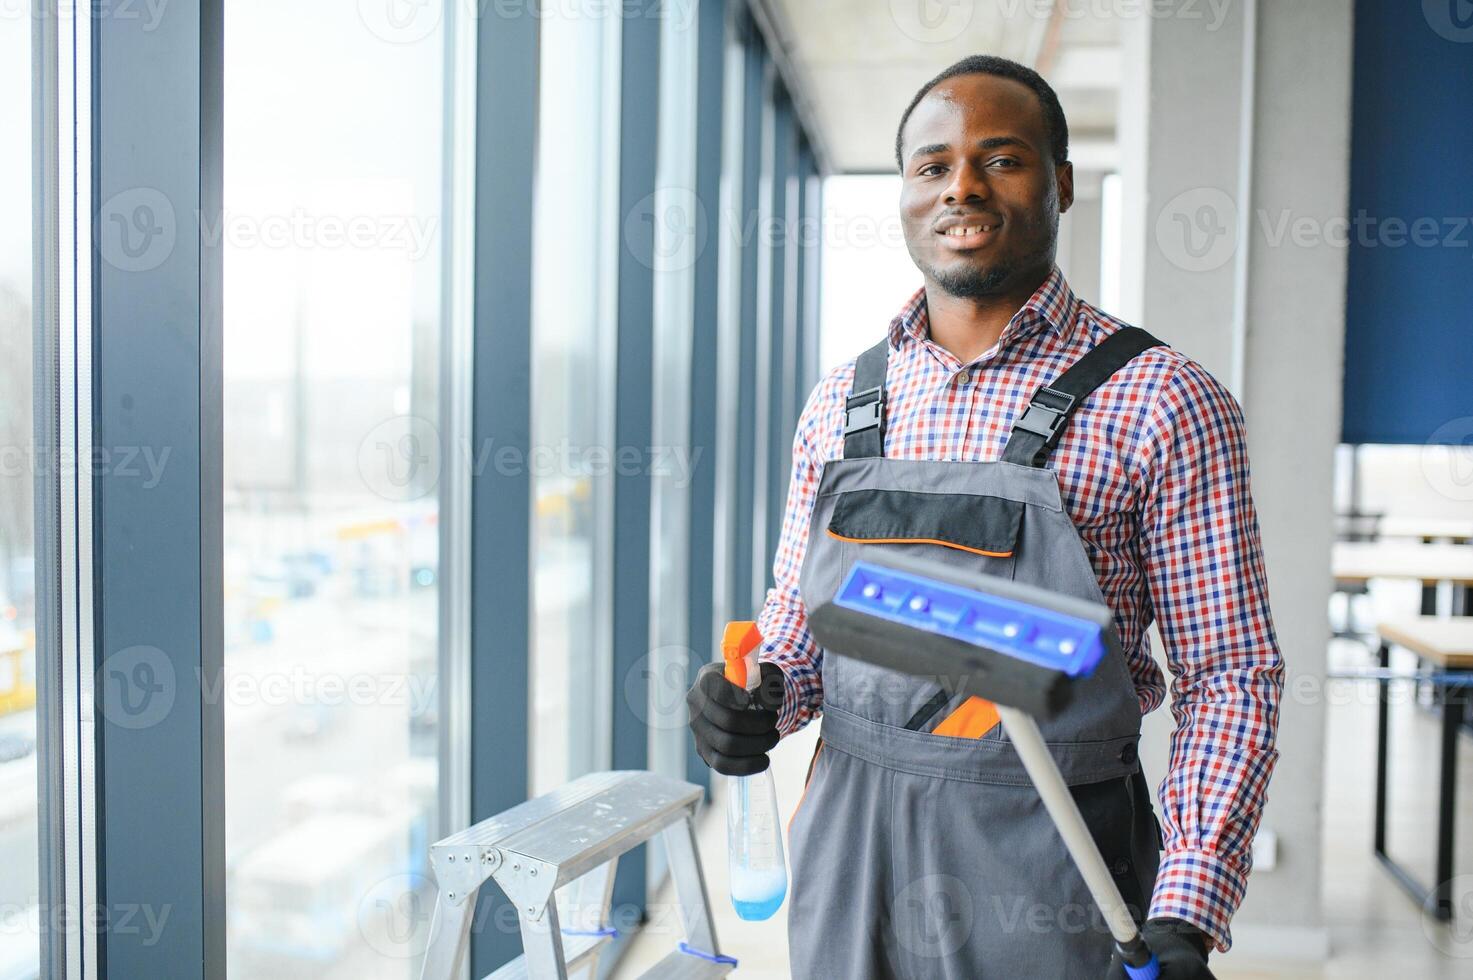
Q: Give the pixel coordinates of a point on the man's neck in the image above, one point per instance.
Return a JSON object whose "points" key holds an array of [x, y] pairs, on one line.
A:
{"points": [[968, 326]]}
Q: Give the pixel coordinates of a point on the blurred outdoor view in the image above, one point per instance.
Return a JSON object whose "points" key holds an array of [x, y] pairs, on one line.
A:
{"points": [[19, 886], [567, 392], [334, 151]]}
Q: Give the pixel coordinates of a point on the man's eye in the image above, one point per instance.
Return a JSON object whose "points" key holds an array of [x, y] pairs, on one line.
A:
{"points": [[930, 170], [1003, 162]]}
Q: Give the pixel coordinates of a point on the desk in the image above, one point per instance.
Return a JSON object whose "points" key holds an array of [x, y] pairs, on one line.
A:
{"points": [[1359, 561], [1447, 644], [1426, 528], [1356, 562]]}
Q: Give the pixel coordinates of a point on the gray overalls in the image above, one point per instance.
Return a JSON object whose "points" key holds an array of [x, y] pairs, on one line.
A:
{"points": [[929, 856]]}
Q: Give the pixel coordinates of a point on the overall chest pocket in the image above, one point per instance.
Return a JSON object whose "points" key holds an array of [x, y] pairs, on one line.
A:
{"points": [[984, 526], [968, 531]]}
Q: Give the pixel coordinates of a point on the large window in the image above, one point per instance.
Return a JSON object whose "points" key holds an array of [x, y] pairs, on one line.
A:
{"points": [[680, 225], [335, 150], [19, 881], [572, 377]]}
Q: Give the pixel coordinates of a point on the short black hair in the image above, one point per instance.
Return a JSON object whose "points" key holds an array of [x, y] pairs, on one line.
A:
{"points": [[986, 64]]}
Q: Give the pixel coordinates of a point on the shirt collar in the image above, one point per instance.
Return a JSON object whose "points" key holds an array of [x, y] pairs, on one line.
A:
{"points": [[1053, 306]]}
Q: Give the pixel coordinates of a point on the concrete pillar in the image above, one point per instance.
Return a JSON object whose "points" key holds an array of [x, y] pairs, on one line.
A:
{"points": [[1232, 129], [1079, 237]]}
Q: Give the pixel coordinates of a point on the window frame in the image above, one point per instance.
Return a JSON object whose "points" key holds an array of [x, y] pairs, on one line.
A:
{"points": [[152, 574]]}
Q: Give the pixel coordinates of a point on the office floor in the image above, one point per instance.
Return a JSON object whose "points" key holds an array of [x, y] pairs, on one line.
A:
{"points": [[1375, 931]]}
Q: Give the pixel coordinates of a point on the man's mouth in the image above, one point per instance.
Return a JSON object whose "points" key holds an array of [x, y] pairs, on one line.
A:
{"points": [[968, 236]]}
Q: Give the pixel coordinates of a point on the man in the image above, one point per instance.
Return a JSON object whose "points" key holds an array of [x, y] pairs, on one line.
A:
{"points": [[1007, 426]]}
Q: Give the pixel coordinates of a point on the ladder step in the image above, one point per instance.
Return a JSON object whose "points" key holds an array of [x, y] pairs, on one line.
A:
{"points": [[494, 829], [683, 966], [579, 826], [575, 950]]}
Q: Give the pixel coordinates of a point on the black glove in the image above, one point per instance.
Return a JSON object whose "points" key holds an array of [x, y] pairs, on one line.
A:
{"points": [[1180, 947], [735, 728]]}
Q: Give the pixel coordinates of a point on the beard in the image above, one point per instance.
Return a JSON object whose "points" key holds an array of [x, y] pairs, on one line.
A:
{"points": [[972, 282]]}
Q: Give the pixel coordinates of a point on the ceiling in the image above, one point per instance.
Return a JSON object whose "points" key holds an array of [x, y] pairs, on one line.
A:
{"points": [[858, 63]]}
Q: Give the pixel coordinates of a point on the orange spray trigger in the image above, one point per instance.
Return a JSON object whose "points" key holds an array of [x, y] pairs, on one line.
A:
{"points": [[738, 641]]}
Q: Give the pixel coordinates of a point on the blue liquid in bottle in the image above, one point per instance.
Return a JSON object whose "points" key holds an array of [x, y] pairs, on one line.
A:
{"points": [[759, 877]]}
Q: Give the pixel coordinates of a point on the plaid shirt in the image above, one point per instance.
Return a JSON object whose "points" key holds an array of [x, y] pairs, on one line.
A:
{"points": [[1153, 472]]}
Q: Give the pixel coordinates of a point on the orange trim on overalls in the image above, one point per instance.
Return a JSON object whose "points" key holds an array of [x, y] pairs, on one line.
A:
{"points": [[944, 544], [973, 718]]}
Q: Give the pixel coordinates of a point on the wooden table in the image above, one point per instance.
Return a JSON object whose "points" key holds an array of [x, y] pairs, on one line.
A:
{"points": [[1359, 561], [1356, 562], [1426, 528], [1446, 644]]}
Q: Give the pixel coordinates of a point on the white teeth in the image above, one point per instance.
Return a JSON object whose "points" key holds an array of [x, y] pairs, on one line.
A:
{"points": [[969, 230]]}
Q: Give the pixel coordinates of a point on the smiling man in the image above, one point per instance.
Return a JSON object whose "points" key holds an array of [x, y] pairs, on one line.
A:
{"points": [[1003, 424]]}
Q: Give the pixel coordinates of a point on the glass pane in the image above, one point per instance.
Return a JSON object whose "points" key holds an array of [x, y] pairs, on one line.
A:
{"points": [[334, 152], [569, 469], [19, 882], [679, 224]]}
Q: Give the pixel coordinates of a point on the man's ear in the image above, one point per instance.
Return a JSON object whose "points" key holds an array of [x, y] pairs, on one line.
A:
{"points": [[1066, 186]]}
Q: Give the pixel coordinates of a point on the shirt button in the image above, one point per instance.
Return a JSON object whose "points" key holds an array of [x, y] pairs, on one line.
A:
{"points": [[1127, 754], [963, 378], [1120, 867]]}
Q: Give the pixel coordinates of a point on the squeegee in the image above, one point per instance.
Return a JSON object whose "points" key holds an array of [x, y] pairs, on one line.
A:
{"points": [[1016, 645]]}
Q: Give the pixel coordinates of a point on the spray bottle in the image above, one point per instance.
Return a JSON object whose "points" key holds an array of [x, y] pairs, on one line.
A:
{"points": [[759, 878]]}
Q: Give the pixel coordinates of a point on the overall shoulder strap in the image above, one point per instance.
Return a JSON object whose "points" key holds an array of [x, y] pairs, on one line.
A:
{"points": [[864, 409], [1038, 429]]}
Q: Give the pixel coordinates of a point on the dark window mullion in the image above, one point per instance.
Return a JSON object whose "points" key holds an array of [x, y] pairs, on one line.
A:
{"points": [[710, 77], [501, 497], [639, 99]]}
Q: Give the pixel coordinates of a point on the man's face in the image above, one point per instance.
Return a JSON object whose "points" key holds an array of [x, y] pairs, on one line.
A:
{"points": [[980, 196]]}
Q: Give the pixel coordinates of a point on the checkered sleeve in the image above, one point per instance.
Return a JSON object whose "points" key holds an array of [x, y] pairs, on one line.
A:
{"points": [[783, 622], [1203, 562]]}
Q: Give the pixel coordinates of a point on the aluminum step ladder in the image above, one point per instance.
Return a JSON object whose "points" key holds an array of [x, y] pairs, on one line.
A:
{"points": [[555, 857]]}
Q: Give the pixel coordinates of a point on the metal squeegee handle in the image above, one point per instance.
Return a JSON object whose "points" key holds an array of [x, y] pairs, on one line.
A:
{"points": [[1140, 962]]}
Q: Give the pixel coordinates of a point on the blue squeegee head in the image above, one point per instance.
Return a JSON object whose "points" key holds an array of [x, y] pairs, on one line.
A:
{"points": [[1018, 629]]}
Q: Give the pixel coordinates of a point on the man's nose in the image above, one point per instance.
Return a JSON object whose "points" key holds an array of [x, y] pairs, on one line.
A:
{"points": [[967, 184]]}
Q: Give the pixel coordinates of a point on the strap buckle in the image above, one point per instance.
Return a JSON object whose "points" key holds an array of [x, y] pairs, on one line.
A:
{"points": [[1043, 419], [870, 415]]}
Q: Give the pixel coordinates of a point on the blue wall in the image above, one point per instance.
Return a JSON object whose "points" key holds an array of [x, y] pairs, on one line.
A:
{"points": [[1409, 311]]}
